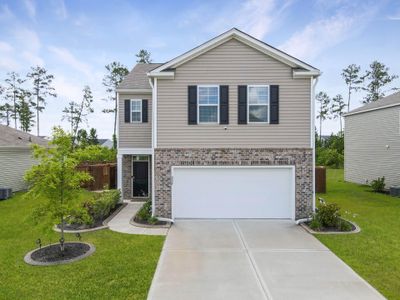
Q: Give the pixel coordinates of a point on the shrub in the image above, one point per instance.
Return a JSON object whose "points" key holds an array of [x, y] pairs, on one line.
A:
{"points": [[328, 215], [144, 213], [378, 185], [315, 224], [344, 225], [329, 157], [100, 207]]}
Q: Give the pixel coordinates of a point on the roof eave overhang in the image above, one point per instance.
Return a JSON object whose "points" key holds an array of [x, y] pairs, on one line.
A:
{"points": [[134, 91], [305, 74], [162, 74], [246, 39], [371, 109]]}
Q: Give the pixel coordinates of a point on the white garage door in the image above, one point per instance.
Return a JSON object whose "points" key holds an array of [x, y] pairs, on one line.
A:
{"points": [[233, 192]]}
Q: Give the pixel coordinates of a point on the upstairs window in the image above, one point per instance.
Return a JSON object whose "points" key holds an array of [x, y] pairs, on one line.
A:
{"points": [[258, 103], [208, 104], [136, 111]]}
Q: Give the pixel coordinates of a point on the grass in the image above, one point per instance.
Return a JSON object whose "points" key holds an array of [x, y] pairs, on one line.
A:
{"points": [[374, 253], [121, 268]]}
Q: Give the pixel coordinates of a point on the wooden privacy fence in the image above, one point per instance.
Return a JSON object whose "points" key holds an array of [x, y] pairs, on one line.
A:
{"points": [[320, 179], [104, 176]]}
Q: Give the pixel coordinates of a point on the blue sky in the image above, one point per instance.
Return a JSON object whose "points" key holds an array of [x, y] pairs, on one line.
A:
{"points": [[74, 40]]}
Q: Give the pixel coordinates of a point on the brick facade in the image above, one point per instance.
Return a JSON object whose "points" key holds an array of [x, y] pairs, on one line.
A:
{"points": [[301, 158]]}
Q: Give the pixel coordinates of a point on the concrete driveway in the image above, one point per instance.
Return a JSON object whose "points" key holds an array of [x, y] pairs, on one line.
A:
{"points": [[251, 259]]}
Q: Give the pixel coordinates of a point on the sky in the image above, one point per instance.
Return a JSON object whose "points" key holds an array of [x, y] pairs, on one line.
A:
{"points": [[75, 39]]}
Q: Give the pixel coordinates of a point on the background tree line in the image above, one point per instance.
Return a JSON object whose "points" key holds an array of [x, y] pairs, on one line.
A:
{"points": [[373, 82]]}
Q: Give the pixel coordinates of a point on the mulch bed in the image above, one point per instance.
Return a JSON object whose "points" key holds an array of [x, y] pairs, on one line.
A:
{"points": [[53, 253], [144, 222], [333, 229], [96, 223]]}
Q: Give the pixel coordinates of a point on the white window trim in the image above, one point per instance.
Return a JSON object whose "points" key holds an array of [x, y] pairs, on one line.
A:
{"points": [[248, 104], [198, 104], [141, 110]]}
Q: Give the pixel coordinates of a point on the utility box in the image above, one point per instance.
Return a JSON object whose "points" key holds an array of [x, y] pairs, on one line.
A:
{"points": [[5, 193], [395, 191], [320, 179]]}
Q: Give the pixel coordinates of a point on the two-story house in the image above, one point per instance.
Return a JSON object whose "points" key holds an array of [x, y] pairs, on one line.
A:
{"points": [[225, 130]]}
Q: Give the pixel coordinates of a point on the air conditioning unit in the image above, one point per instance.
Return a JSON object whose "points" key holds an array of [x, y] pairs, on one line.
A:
{"points": [[395, 191], [5, 193]]}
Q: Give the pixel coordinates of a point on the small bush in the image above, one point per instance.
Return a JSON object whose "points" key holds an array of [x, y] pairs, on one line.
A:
{"points": [[344, 225], [378, 185], [144, 213], [315, 224], [100, 207], [330, 158], [328, 215]]}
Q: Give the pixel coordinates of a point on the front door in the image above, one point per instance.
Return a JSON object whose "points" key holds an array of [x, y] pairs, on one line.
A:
{"points": [[140, 178]]}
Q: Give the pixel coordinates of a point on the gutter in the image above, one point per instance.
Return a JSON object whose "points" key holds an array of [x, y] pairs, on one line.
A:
{"points": [[371, 109]]}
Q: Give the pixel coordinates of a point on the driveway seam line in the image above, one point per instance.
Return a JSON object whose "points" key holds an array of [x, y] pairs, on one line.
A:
{"points": [[264, 288]]}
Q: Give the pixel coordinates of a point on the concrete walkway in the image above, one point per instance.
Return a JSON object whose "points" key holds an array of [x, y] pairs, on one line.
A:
{"points": [[251, 259], [120, 222]]}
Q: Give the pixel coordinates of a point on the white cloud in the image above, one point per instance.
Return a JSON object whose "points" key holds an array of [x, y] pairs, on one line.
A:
{"points": [[69, 59], [30, 8], [5, 47], [28, 39], [326, 32], [32, 58]]}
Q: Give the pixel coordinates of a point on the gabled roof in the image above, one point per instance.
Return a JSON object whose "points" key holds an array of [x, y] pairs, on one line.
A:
{"points": [[10, 137], [137, 78], [300, 67], [388, 101]]}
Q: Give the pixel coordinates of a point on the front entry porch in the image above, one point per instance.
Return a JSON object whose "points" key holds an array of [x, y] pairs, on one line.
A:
{"points": [[134, 176]]}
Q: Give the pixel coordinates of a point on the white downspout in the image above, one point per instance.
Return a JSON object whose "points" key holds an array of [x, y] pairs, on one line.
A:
{"points": [[314, 82], [153, 140]]}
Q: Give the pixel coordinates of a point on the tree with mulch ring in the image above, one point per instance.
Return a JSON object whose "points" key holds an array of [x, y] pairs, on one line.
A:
{"points": [[55, 179], [144, 216], [327, 218]]}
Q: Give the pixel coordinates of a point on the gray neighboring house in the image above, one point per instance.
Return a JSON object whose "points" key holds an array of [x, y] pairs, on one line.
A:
{"points": [[372, 142], [105, 143], [16, 156], [225, 130]]}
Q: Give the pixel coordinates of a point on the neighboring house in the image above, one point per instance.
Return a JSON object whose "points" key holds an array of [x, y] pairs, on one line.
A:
{"points": [[226, 130], [105, 143], [16, 156], [372, 142]]}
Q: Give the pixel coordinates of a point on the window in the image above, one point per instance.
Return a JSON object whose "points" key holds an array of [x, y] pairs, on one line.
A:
{"points": [[208, 104], [136, 111], [258, 103]]}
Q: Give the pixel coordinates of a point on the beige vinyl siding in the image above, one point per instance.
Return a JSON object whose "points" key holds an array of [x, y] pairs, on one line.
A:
{"points": [[134, 135], [234, 63], [14, 163], [366, 154]]}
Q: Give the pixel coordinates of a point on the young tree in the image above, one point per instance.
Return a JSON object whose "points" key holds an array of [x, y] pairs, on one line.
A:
{"points": [[6, 113], [337, 109], [76, 113], [378, 77], [143, 57], [13, 91], [92, 139], [25, 114], [42, 88], [351, 76], [82, 138], [114, 76], [323, 113], [56, 179]]}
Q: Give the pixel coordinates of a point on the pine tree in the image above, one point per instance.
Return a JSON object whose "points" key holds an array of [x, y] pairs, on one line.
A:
{"points": [[92, 139], [337, 109], [143, 57], [25, 114], [114, 76], [41, 89], [378, 77], [323, 113], [351, 76]]}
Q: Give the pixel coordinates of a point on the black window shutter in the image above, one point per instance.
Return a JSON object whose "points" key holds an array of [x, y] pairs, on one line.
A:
{"points": [[223, 104], [274, 104], [127, 111], [242, 104], [145, 111], [192, 104]]}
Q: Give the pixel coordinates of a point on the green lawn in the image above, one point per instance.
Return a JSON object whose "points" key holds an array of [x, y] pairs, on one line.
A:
{"points": [[121, 268], [374, 253]]}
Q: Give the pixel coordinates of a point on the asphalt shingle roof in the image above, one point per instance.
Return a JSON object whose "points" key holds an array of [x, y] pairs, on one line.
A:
{"points": [[385, 101], [10, 137], [137, 78]]}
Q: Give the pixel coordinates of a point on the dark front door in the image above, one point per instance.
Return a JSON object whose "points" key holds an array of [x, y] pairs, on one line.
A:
{"points": [[140, 178]]}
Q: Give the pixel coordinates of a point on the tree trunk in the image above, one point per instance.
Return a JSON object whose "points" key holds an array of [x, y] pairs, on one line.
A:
{"points": [[348, 100], [15, 112], [320, 129], [62, 235], [37, 113]]}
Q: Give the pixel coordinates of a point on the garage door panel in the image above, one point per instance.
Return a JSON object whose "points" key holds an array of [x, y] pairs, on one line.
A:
{"points": [[232, 192]]}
